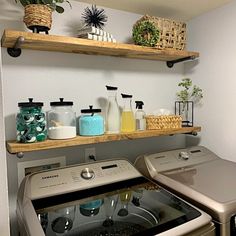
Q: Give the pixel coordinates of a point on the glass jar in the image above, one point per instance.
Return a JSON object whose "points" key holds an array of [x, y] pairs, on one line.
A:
{"points": [[31, 122], [61, 120], [112, 112], [127, 116], [91, 123]]}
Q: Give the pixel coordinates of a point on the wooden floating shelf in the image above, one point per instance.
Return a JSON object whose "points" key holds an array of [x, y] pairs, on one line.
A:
{"points": [[57, 43], [14, 147]]}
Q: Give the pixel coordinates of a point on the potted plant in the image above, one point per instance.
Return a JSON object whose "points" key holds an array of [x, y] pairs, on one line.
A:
{"points": [[38, 13], [189, 95]]}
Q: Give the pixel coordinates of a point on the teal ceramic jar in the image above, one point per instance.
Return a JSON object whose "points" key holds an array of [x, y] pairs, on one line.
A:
{"points": [[90, 122], [31, 122]]}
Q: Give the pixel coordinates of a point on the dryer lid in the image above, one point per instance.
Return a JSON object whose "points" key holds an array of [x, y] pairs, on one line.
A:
{"points": [[214, 179]]}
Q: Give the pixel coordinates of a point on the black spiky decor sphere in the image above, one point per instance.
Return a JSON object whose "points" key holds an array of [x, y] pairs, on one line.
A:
{"points": [[94, 17]]}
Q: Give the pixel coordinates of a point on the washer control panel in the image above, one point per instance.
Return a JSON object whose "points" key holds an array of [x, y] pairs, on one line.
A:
{"points": [[79, 177], [176, 159]]}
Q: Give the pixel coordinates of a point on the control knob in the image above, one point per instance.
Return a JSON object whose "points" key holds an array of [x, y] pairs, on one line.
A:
{"points": [[184, 156], [87, 173]]}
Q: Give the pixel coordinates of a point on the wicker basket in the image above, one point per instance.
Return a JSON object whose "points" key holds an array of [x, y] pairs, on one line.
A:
{"points": [[163, 122], [38, 15], [172, 34]]}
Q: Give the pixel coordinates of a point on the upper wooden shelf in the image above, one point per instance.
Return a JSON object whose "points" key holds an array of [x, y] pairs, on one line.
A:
{"points": [[57, 43], [14, 147]]}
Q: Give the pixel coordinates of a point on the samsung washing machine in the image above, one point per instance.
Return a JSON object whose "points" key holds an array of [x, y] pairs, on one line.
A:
{"points": [[109, 198], [199, 176]]}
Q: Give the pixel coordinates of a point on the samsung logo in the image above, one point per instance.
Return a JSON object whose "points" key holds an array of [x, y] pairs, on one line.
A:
{"points": [[50, 176]]}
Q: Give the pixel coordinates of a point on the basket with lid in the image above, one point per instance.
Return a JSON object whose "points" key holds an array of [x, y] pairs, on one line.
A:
{"points": [[61, 120], [31, 122]]}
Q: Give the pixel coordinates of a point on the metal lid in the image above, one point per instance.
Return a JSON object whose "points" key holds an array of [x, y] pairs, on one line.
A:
{"points": [[30, 103], [126, 95], [111, 87], [91, 110], [61, 103]]}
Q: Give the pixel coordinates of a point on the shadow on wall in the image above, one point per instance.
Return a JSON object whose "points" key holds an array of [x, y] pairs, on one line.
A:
{"points": [[192, 140], [11, 15], [10, 126]]}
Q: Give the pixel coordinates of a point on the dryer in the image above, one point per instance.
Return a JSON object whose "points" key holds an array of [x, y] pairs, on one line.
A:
{"points": [[199, 176], [104, 198]]}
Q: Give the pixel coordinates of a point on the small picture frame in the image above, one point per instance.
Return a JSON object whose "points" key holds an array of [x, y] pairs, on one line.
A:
{"points": [[28, 167]]}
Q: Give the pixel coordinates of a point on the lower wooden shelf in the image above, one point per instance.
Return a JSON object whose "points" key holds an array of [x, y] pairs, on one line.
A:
{"points": [[13, 147]]}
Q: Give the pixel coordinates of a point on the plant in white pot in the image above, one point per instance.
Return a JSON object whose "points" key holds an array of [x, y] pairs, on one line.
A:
{"points": [[189, 94], [38, 13]]}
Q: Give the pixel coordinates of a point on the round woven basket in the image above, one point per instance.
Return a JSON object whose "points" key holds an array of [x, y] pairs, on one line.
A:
{"points": [[38, 15]]}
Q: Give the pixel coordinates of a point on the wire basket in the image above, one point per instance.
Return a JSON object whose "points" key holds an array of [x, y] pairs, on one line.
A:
{"points": [[172, 34], [163, 122], [38, 15]]}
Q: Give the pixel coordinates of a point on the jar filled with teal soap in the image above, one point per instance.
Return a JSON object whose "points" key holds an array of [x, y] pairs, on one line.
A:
{"points": [[31, 122], [91, 122]]}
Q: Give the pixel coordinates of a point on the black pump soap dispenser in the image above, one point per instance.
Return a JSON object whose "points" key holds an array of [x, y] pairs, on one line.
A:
{"points": [[140, 116]]}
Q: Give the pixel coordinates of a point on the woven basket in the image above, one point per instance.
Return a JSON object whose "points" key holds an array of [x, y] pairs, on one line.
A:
{"points": [[163, 122], [38, 15], [172, 34]]}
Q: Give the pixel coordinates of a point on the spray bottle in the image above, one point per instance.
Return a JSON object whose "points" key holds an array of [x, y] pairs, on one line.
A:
{"points": [[140, 116]]}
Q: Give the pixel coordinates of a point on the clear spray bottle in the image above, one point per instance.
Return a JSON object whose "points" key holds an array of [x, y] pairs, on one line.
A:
{"points": [[140, 116]]}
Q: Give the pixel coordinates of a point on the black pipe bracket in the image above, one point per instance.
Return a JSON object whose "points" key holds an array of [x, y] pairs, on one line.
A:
{"points": [[15, 51], [170, 64]]}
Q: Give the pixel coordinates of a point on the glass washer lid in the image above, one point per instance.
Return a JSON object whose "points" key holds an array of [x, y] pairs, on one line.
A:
{"points": [[130, 207]]}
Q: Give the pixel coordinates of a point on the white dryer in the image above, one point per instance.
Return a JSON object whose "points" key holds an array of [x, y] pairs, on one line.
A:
{"points": [[199, 176], [104, 198]]}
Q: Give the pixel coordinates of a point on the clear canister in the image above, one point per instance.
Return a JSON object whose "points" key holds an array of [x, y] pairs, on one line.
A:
{"points": [[61, 120], [91, 122], [31, 122]]}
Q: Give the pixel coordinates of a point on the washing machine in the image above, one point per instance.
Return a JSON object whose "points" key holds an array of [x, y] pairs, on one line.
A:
{"points": [[199, 176], [109, 198]]}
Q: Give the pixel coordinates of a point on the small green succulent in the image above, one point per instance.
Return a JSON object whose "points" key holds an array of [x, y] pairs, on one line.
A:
{"points": [[51, 3], [189, 93]]}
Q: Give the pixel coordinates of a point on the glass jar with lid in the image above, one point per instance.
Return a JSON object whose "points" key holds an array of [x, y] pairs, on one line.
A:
{"points": [[31, 122], [90, 122], [61, 120]]}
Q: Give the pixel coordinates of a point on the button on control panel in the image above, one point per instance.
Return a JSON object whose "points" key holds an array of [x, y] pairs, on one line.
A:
{"points": [[184, 156], [87, 173]]}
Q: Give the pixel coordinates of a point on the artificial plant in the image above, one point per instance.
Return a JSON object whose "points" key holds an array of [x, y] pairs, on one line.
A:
{"points": [[189, 91]]}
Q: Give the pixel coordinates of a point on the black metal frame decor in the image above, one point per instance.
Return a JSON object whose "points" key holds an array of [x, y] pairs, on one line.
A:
{"points": [[185, 109]]}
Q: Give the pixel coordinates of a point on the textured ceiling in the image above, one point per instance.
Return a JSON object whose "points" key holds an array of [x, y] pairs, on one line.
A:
{"points": [[176, 9]]}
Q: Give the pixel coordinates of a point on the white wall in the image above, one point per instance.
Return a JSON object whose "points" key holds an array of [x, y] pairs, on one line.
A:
{"points": [[46, 76], [214, 36], [4, 213]]}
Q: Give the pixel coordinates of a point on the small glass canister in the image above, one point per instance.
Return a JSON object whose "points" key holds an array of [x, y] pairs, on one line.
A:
{"points": [[91, 123], [61, 120], [31, 122]]}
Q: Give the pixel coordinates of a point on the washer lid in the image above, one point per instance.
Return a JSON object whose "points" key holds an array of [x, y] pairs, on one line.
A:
{"points": [[214, 179]]}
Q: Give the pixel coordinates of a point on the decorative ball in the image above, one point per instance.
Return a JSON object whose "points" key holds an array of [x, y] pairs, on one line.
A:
{"points": [[145, 33]]}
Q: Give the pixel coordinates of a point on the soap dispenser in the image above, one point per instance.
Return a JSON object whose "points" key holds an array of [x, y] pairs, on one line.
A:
{"points": [[140, 116]]}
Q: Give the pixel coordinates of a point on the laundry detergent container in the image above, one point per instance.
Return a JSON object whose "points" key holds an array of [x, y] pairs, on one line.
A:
{"points": [[91, 122]]}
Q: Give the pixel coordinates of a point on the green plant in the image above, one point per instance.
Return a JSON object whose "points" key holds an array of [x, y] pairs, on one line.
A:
{"points": [[189, 92], [51, 3]]}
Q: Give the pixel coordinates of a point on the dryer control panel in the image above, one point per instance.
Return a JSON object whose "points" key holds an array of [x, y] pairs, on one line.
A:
{"points": [[177, 159], [79, 177]]}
